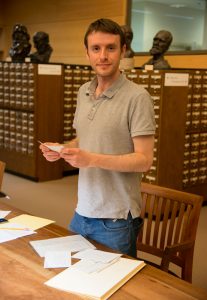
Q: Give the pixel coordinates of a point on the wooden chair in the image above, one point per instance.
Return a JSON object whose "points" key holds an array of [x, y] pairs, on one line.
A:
{"points": [[2, 168], [170, 225]]}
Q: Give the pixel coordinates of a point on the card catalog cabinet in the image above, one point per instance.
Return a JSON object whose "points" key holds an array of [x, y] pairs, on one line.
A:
{"points": [[180, 153], [38, 102], [74, 77], [195, 150], [31, 109]]}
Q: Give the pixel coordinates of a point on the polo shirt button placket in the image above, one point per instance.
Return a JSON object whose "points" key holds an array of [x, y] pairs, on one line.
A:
{"points": [[93, 111]]}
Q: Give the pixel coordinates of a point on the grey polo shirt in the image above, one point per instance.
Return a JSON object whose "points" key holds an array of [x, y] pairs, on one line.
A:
{"points": [[107, 125]]}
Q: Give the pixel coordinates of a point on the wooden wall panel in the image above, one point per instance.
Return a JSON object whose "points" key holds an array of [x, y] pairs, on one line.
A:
{"points": [[1, 13], [46, 11], [65, 22], [1, 31], [179, 61]]}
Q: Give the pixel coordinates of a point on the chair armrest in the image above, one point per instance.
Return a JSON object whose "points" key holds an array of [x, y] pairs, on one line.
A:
{"points": [[172, 250]]}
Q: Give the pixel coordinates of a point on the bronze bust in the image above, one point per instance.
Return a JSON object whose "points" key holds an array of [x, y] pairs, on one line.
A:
{"points": [[20, 43], [128, 33], [44, 50], [161, 43]]}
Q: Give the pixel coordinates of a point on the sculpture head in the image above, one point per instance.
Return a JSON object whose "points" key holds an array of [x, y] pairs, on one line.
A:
{"points": [[161, 42], [128, 33], [41, 41], [20, 33], [20, 43]]}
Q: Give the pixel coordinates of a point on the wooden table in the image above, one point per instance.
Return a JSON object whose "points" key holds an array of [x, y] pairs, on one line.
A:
{"points": [[22, 274]]}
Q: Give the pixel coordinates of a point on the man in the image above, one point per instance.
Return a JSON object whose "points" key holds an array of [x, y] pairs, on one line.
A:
{"points": [[161, 43], [114, 121]]}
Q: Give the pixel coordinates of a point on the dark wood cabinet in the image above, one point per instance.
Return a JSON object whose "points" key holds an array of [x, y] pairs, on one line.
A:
{"points": [[180, 104], [38, 102], [31, 109]]}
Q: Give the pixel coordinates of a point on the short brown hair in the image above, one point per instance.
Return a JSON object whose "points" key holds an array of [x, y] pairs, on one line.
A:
{"points": [[107, 26]]}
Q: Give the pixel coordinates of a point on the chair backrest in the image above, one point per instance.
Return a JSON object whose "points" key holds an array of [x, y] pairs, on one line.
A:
{"points": [[2, 168], [170, 220]]}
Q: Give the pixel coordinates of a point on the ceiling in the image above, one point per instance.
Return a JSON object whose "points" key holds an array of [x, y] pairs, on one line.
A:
{"points": [[196, 4]]}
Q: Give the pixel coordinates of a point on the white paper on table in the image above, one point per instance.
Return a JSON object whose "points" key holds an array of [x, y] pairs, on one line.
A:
{"points": [[97, 255], [57, 259], [4, 213], [98, 285], [11, 231], [91, 266], [71, 243], [32, 222]]}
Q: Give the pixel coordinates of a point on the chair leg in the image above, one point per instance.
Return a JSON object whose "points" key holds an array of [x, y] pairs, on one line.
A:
{"points": [[188, 266]]}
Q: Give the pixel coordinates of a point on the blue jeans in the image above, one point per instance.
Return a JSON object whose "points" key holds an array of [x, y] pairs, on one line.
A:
{"points": [[117, 234]]}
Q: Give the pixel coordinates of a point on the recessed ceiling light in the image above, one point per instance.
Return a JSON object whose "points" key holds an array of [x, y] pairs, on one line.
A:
{"points": [[177, 5]]}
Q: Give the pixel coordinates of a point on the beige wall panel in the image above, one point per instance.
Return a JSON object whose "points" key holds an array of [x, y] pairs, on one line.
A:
{"points": [[44, 11], [1, 32], [188, 61], [179, 61], [65, 21], [66, 38], [1, 13]]}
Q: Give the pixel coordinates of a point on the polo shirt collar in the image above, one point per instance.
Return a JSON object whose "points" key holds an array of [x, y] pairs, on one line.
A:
{"points": [[110, 92]]}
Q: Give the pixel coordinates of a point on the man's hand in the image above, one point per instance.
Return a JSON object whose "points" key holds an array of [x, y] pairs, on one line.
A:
{"points": [[76, 157], [49, 154]]}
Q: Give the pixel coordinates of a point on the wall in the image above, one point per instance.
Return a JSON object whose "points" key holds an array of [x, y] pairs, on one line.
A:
{"points": [[1, 13], [1, 30], [178, 61], [65, 22]]}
